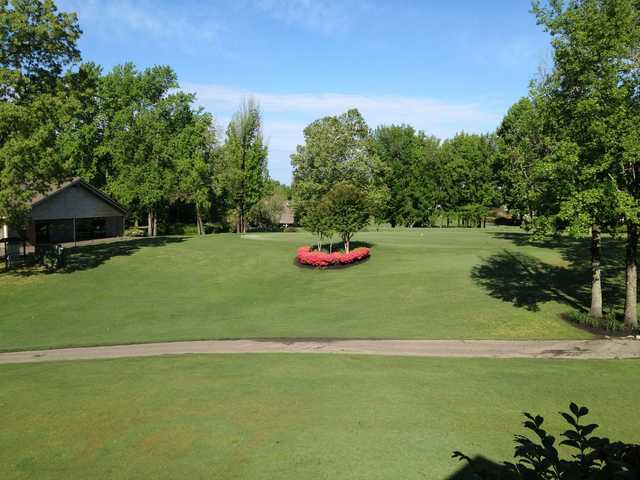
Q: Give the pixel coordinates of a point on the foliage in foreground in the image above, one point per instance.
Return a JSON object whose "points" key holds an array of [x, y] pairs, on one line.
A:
{"points": [[594, 457]]}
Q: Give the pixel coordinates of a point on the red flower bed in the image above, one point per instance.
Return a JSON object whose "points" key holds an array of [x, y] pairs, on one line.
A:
{"points": [[316, 258]]}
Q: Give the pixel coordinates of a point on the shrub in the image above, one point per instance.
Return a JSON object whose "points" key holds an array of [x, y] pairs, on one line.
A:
{"points": [[177, 229], [594, 457], [320, 259], [608, 323], [135, 232]]}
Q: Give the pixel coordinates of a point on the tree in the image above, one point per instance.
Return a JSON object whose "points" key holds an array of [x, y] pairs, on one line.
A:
{"points": [[39, 99], [468, 162], [194, 150], [141, 120], [595, 43], [265, 215], [348, 211], [244, 173], [38, 43], [336, 149], [410, 173], [521, 149], [318, 220]]}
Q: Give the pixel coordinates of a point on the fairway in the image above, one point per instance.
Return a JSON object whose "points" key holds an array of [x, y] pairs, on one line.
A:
{"points": [[420, 283], [289, 416]]}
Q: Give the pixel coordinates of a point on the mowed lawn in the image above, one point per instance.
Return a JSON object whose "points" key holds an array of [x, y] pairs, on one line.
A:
{"points": [[290, 416], [422, 283]]}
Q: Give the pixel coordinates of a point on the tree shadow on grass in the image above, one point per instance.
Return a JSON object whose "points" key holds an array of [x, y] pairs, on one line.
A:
{"points": [[481, 467], [87, 257], [526, 282], [573, 250]]}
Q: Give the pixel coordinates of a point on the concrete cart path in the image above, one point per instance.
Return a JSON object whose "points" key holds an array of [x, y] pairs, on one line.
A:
{"points": [[576, 349]]}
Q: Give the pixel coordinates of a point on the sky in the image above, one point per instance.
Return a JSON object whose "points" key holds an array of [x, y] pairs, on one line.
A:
{"points": [[440, 66]]}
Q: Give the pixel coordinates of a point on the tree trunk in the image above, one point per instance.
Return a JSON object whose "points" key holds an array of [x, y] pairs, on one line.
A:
{"points": [[631, 300], [199, 224], [596, 281], [346, 244], [240, 222], [155, 224], [150, 216]]}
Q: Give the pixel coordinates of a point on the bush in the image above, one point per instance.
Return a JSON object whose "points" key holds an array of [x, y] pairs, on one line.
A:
{"points": [[594, 457], [320, 259], [135, 232], [608, 323], [177, 229]]}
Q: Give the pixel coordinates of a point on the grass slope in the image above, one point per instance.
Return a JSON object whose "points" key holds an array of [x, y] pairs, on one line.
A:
{"points": [[418, 284], [289, 416]]}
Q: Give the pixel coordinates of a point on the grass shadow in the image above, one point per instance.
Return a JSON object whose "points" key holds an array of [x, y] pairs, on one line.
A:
{"points": [[91, 256], [481, 467], [526, 282]]}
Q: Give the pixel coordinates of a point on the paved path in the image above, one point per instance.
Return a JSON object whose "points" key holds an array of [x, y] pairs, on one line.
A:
{"points": [[580, 349]]}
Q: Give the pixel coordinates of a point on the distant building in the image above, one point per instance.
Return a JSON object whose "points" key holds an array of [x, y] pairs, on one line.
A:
{"points": [[287, 217], [71, 212]]}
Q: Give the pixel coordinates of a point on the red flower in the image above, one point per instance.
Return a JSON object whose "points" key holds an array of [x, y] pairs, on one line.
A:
{"points": [[320, 259]]}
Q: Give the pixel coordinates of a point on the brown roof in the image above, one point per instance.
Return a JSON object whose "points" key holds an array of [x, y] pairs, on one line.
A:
{"points": [[287, 217], [56, 189]]}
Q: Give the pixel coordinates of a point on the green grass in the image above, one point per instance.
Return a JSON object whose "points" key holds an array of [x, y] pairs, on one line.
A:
{"points": [[289, 416], [433, 283]]}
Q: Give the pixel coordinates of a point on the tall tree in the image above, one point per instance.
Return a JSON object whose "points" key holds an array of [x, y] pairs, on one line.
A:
{"points": [[469, 163], [593, 43], [336, 149], [194, 150], [244, 173], [522, 148], [141, 119], [39, 99], [410, 175]]}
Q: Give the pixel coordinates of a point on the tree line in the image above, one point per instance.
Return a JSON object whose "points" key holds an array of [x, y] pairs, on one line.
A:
{"points": [[132, 133], [404, 177]]}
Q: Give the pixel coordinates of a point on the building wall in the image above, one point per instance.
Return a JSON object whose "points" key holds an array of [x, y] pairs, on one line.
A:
{"points": [[115, 226], [73, 202]]}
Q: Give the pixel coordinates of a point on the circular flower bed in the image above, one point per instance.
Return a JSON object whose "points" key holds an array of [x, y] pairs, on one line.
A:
{"points": [[320, 259]]}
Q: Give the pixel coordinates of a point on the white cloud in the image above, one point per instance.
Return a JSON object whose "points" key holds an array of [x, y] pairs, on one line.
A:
{"points": [[321, 15], [115, 17], [435, 116], [286, 114]]}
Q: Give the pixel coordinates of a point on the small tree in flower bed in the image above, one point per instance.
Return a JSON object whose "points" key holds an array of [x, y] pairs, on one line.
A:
{"points": [[319, 221], [349, 211], [320, 259]]}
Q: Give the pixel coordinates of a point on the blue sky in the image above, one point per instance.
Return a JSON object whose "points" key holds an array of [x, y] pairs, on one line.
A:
{"points": [[441, 66]]}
